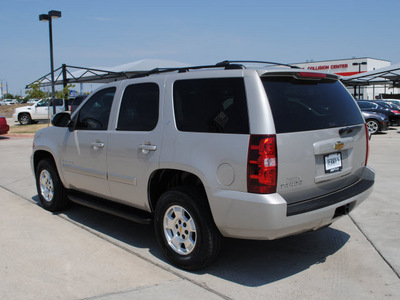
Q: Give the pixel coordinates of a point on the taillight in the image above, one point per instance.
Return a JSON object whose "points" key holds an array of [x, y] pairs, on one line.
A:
{"points": [[312, 75], [367, 138], [262, 164]]}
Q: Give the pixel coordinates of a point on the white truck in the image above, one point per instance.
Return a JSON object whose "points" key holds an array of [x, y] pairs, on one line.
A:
{"points": [[40, 111]]}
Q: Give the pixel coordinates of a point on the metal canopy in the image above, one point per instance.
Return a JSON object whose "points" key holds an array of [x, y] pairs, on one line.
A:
{"points": [[71, 74], [387, 75], [82, 75]]}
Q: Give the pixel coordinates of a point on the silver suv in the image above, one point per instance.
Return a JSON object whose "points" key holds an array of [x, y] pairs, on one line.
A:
{"points": [[207, 152]]}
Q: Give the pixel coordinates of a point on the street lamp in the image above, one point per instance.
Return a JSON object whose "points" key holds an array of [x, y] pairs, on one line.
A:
{"points": [[359, 71], [53, 14]]}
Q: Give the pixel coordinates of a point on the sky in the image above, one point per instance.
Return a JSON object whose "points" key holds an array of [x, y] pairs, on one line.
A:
{"points": [[97, 33]]}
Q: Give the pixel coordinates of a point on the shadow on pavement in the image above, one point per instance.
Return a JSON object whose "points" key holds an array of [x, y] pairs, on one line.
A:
{"points": [[245, 262]]}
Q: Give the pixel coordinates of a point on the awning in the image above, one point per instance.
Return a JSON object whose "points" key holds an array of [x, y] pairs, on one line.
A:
{"points": [[71, 74], [386, 75]]}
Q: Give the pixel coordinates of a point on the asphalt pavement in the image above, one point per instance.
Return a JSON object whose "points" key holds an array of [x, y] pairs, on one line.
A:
{"points": [[85, 254]]}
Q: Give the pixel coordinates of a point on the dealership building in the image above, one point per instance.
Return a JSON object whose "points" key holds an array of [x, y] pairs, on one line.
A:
{"points": [[353, 66]]}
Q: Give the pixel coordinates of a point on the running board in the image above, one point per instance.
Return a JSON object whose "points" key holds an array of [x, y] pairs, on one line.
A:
{"points": [[114, 208]]}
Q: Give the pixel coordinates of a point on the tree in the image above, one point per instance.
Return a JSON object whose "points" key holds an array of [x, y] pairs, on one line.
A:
{"points": [[8, 96], [65, 92], [34, 91]]}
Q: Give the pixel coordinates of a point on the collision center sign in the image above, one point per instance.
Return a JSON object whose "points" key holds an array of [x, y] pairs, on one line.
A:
{"points": [[328, 67]]}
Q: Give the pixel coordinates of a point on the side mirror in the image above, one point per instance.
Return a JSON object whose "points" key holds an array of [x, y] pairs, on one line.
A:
{"points": [[61, 119]]}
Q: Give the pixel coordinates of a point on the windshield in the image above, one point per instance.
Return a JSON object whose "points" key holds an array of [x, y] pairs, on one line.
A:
{"points": [[302, 105]]}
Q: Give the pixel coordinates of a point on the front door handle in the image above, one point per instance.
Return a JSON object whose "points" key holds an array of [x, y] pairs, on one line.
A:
{"points": [[147, 147], [97, 145]]}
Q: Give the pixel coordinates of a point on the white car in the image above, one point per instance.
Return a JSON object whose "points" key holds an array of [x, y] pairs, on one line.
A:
{"points": [[33, 101], [9, 101], [40, 111]]}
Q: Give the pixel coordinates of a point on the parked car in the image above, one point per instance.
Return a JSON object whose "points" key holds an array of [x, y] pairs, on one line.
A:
{"points": [[371, 106], [4, 127], [394, 101], [9, 101], [40, 111], [76, 102], [210, 151], [32, 101], [376, 122], [392, 106]]}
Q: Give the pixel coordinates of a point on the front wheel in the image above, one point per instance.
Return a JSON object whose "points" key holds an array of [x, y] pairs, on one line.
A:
{"points": [[25, 119], [185, 229], [50, 189], [373, 126]]}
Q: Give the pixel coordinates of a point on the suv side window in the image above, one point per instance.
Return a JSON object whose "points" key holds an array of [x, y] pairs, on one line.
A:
{"points": [[211, 105], [42, 103], [95, 113], [139, 107]]}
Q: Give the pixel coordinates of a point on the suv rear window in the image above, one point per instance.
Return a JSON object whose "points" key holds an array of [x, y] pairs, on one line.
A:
{"points": [[302, 105], [211, 105]]}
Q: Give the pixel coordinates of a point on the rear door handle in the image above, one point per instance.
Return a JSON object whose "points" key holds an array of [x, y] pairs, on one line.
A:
{"points": [[97, 145], [146, 148]]}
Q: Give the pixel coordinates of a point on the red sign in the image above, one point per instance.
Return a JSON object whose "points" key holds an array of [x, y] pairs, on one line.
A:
{"points": [[327, 67]]}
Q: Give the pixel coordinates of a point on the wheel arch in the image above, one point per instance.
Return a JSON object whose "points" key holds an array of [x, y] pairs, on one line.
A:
{"points": [[41, 155], [24, 113], [164, 179]]}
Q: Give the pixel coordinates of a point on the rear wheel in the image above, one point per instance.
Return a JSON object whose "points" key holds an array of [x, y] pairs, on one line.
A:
{"points": [[24, 119], [185, 229], [50, 189], [373, 126]]}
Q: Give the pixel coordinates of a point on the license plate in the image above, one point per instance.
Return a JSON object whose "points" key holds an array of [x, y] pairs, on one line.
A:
{"points": [[333, 162]]}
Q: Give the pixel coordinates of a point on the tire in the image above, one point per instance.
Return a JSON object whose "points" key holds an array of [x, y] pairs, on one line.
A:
{"points": [[185, 229], [24, 119], [52, 194], [373, 126]]}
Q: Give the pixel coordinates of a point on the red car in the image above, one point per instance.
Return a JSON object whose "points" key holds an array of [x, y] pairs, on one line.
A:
{"points": [[3, 125]]}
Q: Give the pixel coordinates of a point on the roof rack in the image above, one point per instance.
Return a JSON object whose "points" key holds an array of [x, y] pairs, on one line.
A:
{"points": [[227, 64]]}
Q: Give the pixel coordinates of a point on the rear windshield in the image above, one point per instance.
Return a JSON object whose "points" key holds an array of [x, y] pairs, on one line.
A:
{"points": [[302, 105]]}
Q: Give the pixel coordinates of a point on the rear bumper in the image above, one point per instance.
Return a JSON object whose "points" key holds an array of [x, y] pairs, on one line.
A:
{"points": [[4, 129], [266, 217]]}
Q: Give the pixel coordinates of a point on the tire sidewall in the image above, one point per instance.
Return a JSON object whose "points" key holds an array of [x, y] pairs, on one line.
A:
{"points": [[22, 116], [377, 125], [202, 253], [59, 199]]}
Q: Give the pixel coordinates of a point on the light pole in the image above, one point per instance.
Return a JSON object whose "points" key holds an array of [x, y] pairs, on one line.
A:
{"points": [[53, 14], [359, 71]]}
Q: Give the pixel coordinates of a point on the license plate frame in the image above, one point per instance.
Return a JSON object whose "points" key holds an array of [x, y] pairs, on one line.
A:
{"points": [[333, 163]]}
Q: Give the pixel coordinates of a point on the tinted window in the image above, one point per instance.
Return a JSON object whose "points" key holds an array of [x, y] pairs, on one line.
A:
{"points": [[139, 107], [95, 113], [364, 104], [211, 105], [76, 102], [58, 102], [302, 105], [383, 104]]}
